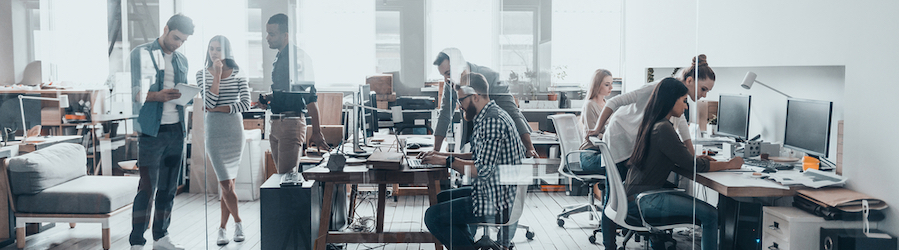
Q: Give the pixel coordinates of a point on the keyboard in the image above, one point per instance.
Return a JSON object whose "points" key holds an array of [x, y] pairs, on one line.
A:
{"points": [[767, 164], [416, 164]]}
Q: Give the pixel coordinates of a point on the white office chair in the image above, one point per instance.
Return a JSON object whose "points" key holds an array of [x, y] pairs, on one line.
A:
{"points": [[616, 208], [570, 139], [517, 209]]}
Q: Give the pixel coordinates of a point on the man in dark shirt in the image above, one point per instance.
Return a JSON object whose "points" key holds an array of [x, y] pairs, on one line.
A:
{"points": [[288, 127], [451, 65]]}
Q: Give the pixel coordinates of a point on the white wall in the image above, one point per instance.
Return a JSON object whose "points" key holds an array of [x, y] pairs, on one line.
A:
{"points": [[859, 35]]}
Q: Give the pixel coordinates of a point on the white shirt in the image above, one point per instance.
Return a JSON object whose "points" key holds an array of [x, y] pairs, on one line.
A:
{"points": [[169, 112], [625, 122]]}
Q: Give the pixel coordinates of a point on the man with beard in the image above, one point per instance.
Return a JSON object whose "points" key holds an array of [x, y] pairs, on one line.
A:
{"points": [[495, 141], [162, 130]]}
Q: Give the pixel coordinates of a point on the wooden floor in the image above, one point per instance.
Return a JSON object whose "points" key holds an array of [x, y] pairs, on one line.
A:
{"points": [[196, 217]]}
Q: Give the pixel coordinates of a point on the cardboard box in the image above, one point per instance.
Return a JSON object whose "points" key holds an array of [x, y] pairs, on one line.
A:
{"points": [[381, 84], [382, 105], [333, 133], [254, 124]]}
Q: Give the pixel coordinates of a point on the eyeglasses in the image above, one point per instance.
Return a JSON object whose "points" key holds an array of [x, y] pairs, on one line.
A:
{"points": [[463, 99]]}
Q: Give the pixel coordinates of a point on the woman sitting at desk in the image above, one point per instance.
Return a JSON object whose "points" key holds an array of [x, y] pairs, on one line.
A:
{"points": [[600, 87], [658, 152]]}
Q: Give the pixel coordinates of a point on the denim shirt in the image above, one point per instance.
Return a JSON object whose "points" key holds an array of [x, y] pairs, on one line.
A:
{"points": [[150, 114]]}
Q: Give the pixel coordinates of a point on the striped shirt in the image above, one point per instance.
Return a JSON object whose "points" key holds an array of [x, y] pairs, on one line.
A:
{"points": [[495, 141], [233, 91]]}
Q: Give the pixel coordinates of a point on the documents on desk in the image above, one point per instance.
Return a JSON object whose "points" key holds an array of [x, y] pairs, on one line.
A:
{"points": [[812, 178], [780, 180]]}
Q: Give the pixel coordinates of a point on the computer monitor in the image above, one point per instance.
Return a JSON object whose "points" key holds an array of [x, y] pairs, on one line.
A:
{"points": [[368, 117], [807, 127], [733, 116]]}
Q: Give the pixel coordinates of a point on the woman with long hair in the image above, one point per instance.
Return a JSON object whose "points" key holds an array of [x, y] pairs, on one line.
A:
{"points": [[657, 152], [600, 87], [226, 96]]}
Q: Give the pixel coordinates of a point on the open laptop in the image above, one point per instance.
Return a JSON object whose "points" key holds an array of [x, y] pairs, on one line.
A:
{"points": [[413, 163]]}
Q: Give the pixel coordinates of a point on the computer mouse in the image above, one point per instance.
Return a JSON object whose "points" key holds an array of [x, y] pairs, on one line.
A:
{"points": [[768, 171]]}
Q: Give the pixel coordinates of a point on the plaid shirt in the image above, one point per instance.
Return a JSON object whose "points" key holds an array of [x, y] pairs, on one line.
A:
{"points": [[495, 141]]}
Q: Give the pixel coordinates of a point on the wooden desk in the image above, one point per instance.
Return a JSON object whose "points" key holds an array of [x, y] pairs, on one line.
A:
{"points": [[734, 215], [364, 175], [724, 184]]}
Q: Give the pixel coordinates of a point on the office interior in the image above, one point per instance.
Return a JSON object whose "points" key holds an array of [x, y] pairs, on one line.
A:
{"points": [[546, 50]]}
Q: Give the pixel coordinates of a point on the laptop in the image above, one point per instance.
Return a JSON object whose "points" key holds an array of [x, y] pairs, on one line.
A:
{"points": [[413, 163]]}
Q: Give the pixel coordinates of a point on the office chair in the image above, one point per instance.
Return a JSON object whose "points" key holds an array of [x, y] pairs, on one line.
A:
{"points": [[517, 209], [569, 141], [616, 209]]}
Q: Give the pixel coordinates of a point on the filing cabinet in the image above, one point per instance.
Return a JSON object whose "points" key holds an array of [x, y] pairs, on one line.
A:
{"points": [[785, 228]]}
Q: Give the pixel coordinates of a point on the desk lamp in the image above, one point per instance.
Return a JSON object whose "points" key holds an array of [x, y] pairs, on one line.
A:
{"points": [[63, 103], [750, 78]]}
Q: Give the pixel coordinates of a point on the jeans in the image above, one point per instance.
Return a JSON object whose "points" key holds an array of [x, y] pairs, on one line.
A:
{"points": [[451, 218], [592, 162], [665, 205], [159, 161]]}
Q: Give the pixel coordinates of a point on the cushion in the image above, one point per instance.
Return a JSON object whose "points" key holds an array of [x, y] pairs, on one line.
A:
{"points": [[36, 171], [85, 195]]}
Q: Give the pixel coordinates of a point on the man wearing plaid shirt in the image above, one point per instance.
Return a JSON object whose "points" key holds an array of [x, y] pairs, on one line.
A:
{"points": [[495, 141]]}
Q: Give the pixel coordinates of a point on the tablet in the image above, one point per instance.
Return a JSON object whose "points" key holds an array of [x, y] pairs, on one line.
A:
{"points": [[187, 93]]}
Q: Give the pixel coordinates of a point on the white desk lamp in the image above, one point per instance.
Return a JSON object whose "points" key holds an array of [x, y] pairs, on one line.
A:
{"points": [[750, 78], [63, 103]]}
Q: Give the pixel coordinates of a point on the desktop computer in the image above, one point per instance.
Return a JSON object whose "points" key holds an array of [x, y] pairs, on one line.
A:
{"points": [[733, 116], [807, 127]]}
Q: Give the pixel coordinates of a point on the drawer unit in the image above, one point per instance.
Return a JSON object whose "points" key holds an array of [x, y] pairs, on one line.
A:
{"points": [[771, 242], [792, 228]]}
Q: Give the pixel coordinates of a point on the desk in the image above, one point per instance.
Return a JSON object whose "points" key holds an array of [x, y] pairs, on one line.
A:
{"points": [[740, 223], [39, 142], [364, 175], [105, 143]]}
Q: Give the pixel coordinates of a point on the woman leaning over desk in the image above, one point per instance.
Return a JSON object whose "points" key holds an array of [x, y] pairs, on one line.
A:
{"points": [[226, 96], [657, 152]]}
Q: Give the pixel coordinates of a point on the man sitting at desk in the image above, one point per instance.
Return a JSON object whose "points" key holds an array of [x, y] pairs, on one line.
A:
{"points": [[451, 63], [494, 141]]}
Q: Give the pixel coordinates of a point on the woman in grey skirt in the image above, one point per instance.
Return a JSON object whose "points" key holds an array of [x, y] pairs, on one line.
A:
{"points": [[226, 96]]}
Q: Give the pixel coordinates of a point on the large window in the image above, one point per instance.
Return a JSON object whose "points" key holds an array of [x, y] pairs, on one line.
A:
{"points": [[387, 41], [517, 45]]}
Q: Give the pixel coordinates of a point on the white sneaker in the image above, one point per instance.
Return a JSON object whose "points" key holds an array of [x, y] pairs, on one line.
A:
{"points": [[165, 243], [238, 232], [137, 247], [222, 238]]}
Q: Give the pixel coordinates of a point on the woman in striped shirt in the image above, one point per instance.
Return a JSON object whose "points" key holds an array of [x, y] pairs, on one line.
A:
{"points": [[226, 96]]}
